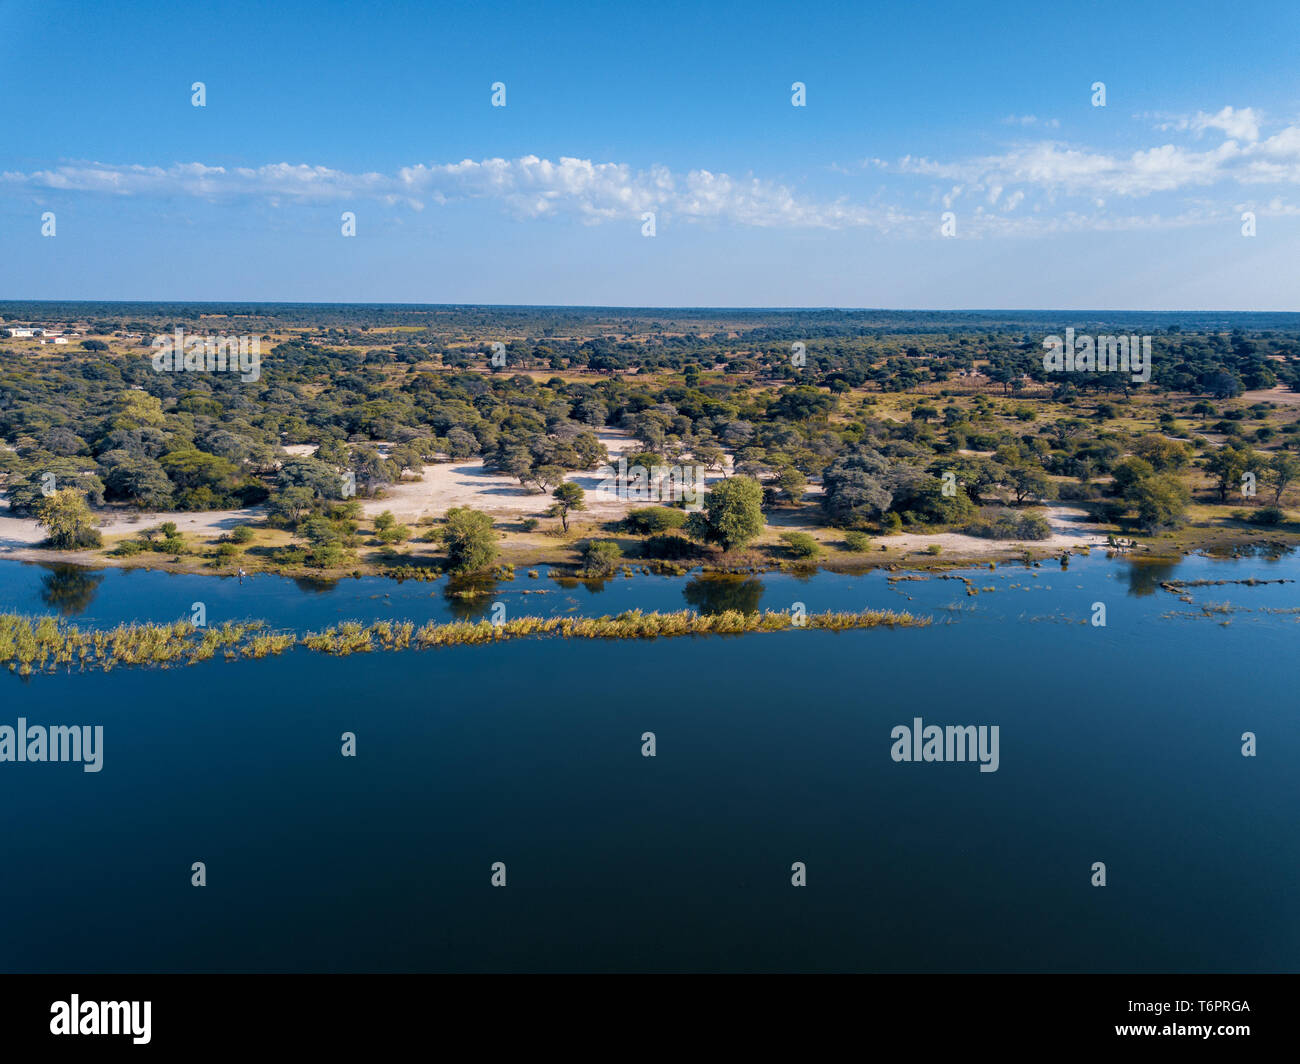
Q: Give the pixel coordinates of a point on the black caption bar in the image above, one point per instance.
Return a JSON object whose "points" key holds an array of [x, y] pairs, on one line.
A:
{"points": [[168, 1014]]}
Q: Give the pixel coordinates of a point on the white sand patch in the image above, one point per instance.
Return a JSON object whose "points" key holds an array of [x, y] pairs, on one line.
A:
{"points": [[444, 485], [1070, 530], [465, 482], [20, 533]]}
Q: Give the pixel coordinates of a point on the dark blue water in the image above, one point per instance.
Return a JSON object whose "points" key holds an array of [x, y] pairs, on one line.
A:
{"points": [[1118, 744]]}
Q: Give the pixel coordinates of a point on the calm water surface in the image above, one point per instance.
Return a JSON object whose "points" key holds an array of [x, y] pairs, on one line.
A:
{"points": [[1119, 744]]}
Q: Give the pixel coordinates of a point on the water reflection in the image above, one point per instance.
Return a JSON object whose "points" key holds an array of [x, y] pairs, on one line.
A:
{"points": [[70, 589], [713, 593], [1269, 552], [315, 585], [1145, 575], [470, 598]]}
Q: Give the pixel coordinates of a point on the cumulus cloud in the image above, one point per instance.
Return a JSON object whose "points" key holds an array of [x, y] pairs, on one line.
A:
{"points": [[528, 187], [1239, 124], [1058, 167], [1044, 185]]}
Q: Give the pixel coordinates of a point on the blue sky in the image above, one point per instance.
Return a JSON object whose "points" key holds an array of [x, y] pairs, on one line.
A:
{"points": [[683, 110]]}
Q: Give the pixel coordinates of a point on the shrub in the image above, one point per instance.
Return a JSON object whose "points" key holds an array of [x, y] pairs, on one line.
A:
{"points": [[1010, 525], [600, 557], [934, 548], [654, 519], [857, 541], [325, 556], [241, 534], [530, 524], [1269, 515], [668, 547], [801, 544], [127, 548]]}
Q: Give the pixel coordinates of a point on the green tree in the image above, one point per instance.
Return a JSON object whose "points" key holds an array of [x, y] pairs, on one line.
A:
{"points": [[1030, 482], [600, 557], [568, 496], [732, 514], [1227, 465], [1283, 468], [1161, 501], [792, 484], [471, 543], [66, 516], [548, 475]]}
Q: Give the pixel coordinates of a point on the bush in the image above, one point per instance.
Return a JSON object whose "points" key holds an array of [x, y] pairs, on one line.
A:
{"points": [[801, 544], [857, 541], [530, 524], [654, 519], [127, 548], [325, 556], [668, 547], [600, 557], [1269, 515], [1010, 525], [934, 548], [241, 534]]}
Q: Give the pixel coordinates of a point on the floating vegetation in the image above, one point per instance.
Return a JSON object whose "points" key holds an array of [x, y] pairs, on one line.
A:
{"points": [[1179, 587], [44, 644], [1208, 609]]}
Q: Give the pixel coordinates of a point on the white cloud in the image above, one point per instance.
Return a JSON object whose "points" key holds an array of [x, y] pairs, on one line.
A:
{"points": [[1031, 120], [529, 187], [1045, 185], [1052, 166], [1242, 124]]}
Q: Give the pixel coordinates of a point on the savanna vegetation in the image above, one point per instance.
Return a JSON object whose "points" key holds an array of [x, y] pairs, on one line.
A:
{"points": [[885, 423]]}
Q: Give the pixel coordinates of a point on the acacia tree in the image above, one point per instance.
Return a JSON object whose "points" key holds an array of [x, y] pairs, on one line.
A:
{"points": [[1283, 468], [568, 496]]}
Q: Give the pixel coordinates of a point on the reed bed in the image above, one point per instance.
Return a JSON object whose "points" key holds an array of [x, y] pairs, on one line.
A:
{"points": [[31, 645]]}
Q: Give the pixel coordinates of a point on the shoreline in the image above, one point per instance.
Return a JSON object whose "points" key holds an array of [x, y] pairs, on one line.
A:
{"points": [[1073, 533]]}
